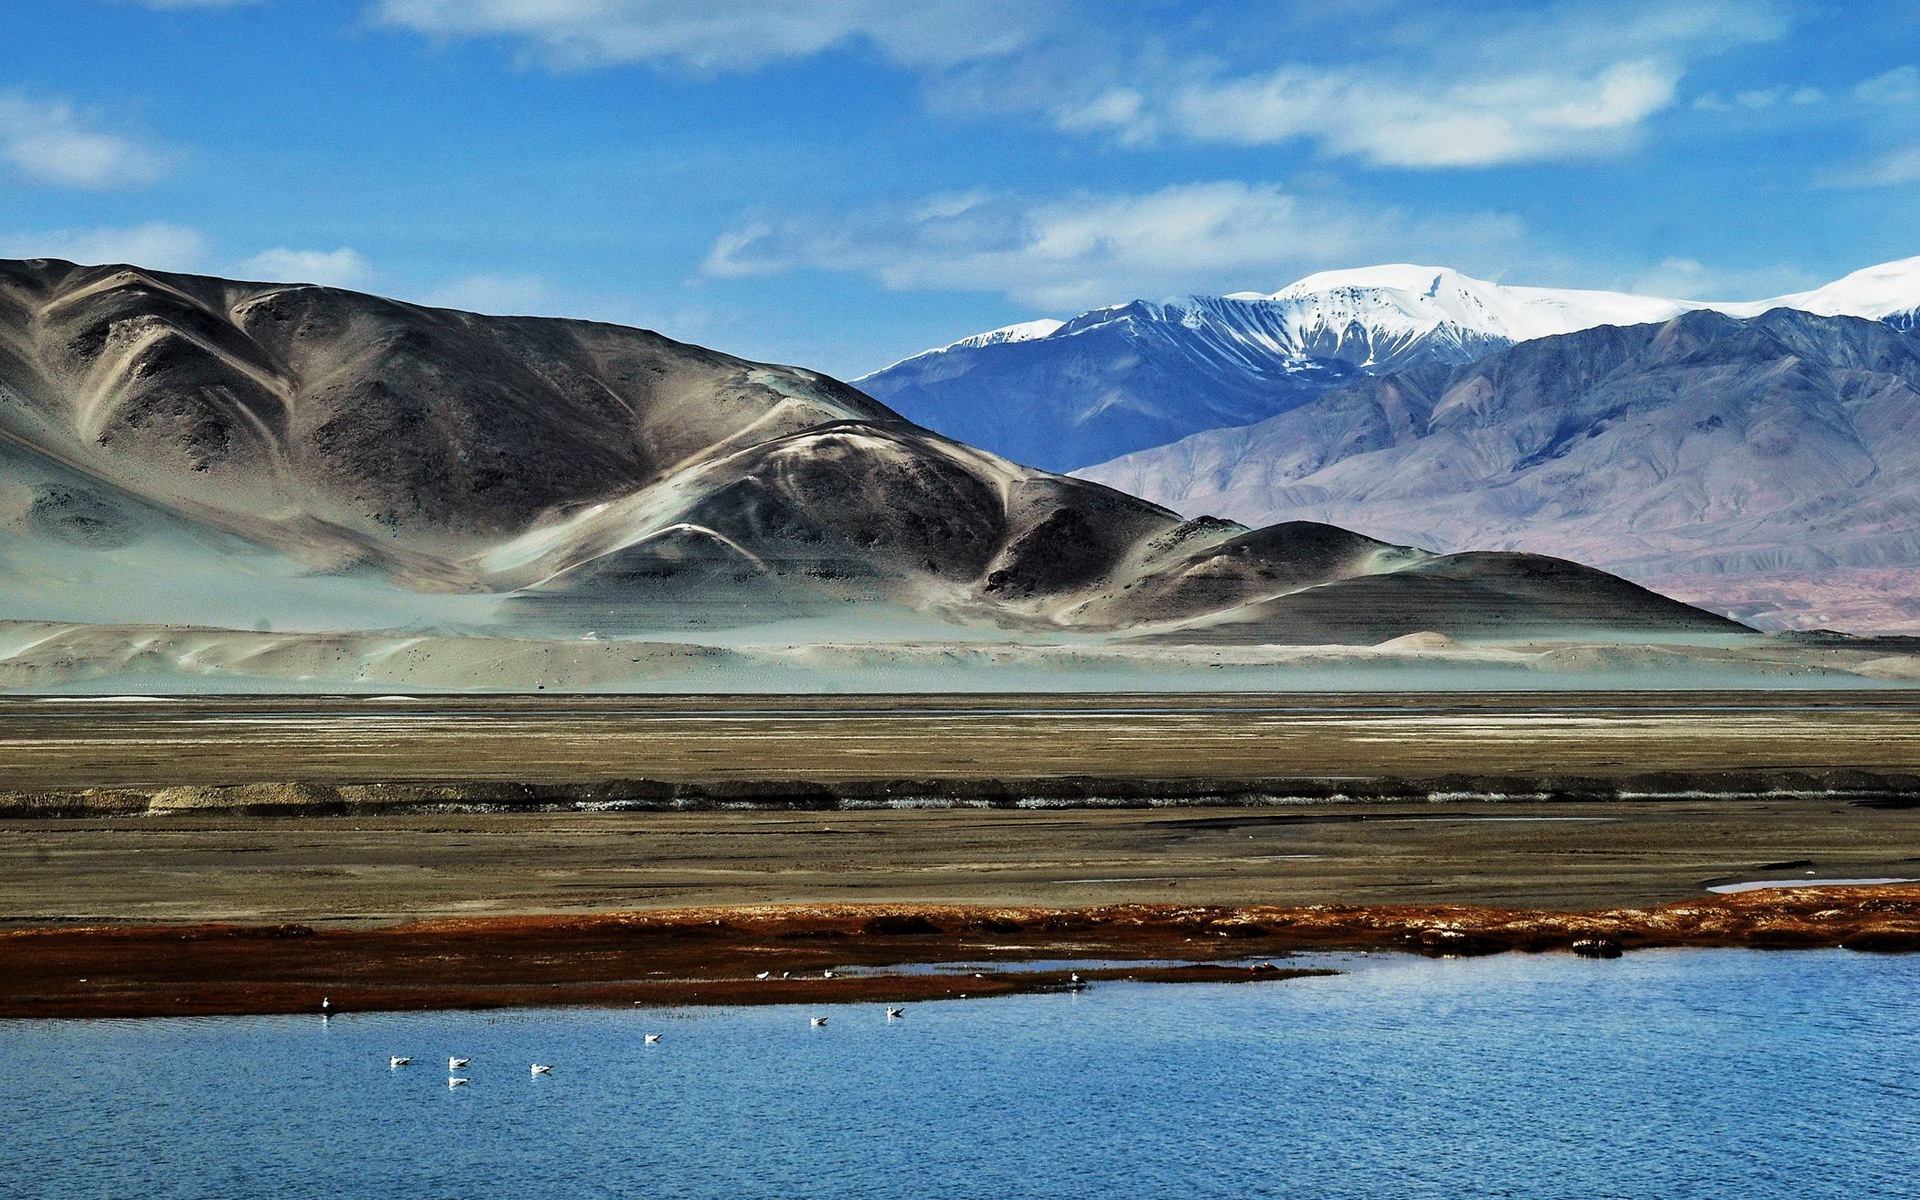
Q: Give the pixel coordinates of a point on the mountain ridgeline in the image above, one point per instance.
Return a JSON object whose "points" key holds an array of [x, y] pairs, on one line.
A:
{"points": [[584, 476], [1769, 463], [1067, 395], [1145, 373]]}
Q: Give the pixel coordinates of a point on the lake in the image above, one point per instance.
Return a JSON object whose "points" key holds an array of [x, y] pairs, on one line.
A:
{"points": [[1707, 1073]]}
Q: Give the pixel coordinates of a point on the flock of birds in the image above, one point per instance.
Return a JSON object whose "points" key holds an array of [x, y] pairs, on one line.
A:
{"points": [[456, 1065]]}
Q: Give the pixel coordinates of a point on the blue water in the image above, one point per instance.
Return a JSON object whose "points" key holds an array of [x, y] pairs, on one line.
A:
{"points": [[1669, 1074]]}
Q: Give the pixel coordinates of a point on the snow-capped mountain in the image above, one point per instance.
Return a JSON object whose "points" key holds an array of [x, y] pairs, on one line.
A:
{"points": [[1767, 467], [1425, 302], [1068, 394], [1889, 292]]}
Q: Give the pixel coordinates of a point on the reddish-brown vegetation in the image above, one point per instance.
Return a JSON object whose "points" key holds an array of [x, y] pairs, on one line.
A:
{"points": [[716, 956]]}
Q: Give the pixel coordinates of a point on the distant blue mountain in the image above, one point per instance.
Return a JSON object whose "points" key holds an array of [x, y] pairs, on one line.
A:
{"points": [[1065, 395]]}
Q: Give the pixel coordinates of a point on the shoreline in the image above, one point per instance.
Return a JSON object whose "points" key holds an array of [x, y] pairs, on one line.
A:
{"points": [[708, 956]]}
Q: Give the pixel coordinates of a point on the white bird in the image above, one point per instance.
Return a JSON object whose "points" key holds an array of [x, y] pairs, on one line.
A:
{"points": [[817, 1022], [326, 1002], [763, 975], [454, 1064], [896, 1012], [653, 1039], [1074, 976], [397, 1061], [786, 974], [826, 974], [541, 1069], [456, 1081]]}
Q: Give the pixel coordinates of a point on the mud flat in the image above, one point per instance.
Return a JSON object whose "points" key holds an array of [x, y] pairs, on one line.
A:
{"points": [[815, 954]]}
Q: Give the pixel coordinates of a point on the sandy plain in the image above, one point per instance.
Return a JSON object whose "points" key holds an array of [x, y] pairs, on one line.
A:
{"points": [[370, 870], [908, 745]]}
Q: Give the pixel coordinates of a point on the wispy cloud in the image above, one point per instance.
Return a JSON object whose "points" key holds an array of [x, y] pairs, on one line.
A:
{"points": [[1396, 83], [1891, 168], [1898, 86], [1760, 99], [726, 35], [159, 246], [1079, 250], [1445, 87], [48, 141], [345, 267]]}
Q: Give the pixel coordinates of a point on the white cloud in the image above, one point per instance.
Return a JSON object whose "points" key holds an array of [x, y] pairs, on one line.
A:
{"points": [[726, 34], [47, 141], [1898, 86], [1760, 98], [506, 295], [1404, 83], [1080, 250], [1451, 89], [1894, 168], [157, 246], [345, 267], [1402, 123]]}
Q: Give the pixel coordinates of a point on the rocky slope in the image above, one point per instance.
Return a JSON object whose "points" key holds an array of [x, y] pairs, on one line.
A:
{"points": [[1760, 465], [1065, 395], [186, 450]]}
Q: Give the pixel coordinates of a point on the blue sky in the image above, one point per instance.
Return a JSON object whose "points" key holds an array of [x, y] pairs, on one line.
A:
{"points": [[840, 183]]}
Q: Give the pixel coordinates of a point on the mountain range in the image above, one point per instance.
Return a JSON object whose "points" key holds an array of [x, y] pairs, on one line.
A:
{"points": [[179, 449], [1767, 467], [1063, 395]]}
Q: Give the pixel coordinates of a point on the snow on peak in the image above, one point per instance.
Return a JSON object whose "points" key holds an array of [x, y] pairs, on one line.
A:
{"points": [[1441, 294], [1874, 292], [1023, 331], [1398, 277], [1395, 303]]}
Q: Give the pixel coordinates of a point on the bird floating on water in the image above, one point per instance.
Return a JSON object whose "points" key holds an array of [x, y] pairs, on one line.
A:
{"points": [[457, 1081], [896, 1012], [653, 1039], [326, 1002], [826, 974], [398, 1060], [541, 1069], [817, 1022], [454, 1064]]}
